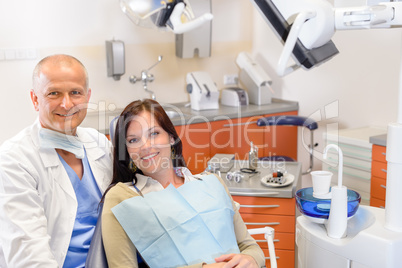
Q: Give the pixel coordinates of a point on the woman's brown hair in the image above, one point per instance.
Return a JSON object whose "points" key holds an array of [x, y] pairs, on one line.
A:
{"points": [[121, 159]]}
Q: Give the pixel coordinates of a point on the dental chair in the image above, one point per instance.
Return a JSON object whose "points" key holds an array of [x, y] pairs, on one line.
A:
{"points": [[290, 120], [112, 127], [97, 258], [269, 236]]}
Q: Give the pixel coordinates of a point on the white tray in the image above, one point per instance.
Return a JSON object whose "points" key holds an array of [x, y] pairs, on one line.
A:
{"points": [[289, 178]]}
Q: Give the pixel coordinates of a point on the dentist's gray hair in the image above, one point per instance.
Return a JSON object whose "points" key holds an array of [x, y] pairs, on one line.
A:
{"points": [[57, 59]]}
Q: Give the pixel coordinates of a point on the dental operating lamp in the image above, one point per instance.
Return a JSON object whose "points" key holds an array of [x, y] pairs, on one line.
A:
{"points": [[170, 15]]}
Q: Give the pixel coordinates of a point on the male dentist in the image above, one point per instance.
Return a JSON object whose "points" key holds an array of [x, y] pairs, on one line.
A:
{"points": [[53, 173]]}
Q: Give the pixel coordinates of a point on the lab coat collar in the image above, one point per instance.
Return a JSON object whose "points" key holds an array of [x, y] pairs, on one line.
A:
{"points": [[93, 150]]}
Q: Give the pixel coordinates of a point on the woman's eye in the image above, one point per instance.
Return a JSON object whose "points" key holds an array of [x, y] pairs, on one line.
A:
{"points": [[134, 140], [154, 133]]}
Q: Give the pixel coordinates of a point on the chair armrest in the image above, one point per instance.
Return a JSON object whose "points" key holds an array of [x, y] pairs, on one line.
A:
{"points": [[288, 120]]}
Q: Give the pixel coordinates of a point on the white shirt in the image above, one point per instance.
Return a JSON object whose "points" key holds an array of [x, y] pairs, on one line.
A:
{"points": [[146, 184]]}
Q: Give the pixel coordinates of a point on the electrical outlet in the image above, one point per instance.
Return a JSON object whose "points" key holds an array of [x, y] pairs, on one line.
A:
{"points": [[31, 53], [230, 79], [9, 54], [20, 54]]}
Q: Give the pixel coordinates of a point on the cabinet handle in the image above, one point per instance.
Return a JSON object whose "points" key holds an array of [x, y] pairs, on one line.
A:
{"points": [[261, 223], [253, 193], [383, 186], [259, 206], [240, 124], [384, 170], [384, 153], [382, 207]]}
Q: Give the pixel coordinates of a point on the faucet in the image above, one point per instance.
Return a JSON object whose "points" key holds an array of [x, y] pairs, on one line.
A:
{"points": [[146, 77], [338, 214]]}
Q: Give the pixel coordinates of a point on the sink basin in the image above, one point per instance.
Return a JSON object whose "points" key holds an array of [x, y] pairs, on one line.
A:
{"points": [[313, 207], [173, 114]]}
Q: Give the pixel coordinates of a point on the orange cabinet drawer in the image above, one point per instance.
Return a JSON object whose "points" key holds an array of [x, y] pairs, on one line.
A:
{"points": [[378, 187], [281, 240], [284, 258], [379, 169], [375, 202], [280, 223], [378, 153], [266, 205]]}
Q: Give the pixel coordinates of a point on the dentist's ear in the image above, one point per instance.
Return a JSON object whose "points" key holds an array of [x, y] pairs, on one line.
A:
{"points": [[89, 92], [34, 99]]}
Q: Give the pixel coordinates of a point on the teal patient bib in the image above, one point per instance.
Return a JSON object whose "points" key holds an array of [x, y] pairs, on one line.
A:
{"points": [[183, 226]]}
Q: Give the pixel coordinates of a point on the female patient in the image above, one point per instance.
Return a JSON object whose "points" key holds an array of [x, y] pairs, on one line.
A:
{"points": [[156, 207]]}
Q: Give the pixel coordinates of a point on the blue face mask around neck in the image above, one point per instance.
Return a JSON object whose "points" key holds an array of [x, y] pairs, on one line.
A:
{"points": [[53, 139]]}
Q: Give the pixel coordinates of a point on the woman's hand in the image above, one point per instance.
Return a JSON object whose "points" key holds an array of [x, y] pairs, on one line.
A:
{"points": [[234, 260]]}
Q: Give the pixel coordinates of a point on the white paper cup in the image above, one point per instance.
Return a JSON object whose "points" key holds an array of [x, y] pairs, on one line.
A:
{"points": [[321, 182]]}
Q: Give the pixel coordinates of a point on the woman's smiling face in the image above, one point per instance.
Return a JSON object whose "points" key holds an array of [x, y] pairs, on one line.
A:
{"points": [[148, 144]]}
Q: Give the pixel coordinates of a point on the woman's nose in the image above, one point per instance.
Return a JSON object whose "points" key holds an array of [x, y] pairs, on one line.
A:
{"points": [[145, 143]]}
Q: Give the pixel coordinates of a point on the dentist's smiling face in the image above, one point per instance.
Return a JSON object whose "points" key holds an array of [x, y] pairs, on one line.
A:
{"points": [[61, 96], [148, 144]]}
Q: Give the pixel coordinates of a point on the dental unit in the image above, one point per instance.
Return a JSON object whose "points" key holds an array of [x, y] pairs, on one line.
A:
{"points": [[373, 236]]}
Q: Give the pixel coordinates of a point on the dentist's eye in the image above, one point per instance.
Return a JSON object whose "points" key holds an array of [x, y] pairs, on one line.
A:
{"points": [[52, 94]]}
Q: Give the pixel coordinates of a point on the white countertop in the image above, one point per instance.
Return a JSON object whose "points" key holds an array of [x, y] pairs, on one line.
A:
{"points": [[355, 136], [253, 185], [101, 118]]}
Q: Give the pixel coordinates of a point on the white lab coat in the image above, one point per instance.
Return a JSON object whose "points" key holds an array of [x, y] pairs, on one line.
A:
{"points": [[37, 201]]}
